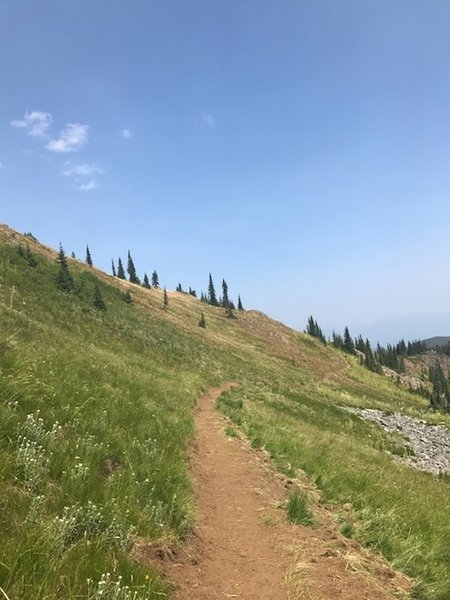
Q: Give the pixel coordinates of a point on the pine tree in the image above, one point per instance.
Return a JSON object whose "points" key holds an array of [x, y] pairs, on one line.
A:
{"points": [[88, 257], [155, 279], [212, 298], [113, 268], [225, 299], [240, 307], [311, 327], [146, 282], [440, 396], [133, 278], [98, 301], [72, 254], [120, 269], [179, 288], [203, 297], [165, 299], [64, 279], [192, 292], [338, 342], [348, 342], [202, 322]]}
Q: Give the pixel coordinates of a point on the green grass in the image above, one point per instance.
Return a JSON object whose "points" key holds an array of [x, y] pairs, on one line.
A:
{"points": [[96, 416], [399, 512], [299, 509]]}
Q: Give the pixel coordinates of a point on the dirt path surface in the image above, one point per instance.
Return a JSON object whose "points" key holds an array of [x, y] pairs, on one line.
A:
{"points": [[244, 547]]}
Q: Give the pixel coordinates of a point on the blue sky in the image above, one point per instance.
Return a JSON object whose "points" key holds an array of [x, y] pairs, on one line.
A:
{"points": [[300, 149]]}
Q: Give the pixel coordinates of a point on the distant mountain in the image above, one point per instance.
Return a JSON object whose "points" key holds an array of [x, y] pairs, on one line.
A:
{"points": [[433, 342]]}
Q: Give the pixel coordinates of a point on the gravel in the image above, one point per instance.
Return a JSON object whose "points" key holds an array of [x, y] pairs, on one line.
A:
{"points": [[430, 443]]}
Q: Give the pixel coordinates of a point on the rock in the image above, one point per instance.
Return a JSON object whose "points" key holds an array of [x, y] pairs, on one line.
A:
{"points": [[430, 443]]}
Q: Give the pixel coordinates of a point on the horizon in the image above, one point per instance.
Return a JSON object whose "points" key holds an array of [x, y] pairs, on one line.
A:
{"points": [[299, 153]]}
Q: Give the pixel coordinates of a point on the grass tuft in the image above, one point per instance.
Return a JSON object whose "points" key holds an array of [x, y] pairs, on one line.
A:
{"points": [[298, 509]]}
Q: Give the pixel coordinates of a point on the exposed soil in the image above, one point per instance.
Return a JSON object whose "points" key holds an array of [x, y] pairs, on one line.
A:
{"points": [[245, 548]]}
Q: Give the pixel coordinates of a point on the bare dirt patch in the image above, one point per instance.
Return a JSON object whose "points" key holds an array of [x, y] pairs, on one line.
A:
{"points": [[245, 548]]}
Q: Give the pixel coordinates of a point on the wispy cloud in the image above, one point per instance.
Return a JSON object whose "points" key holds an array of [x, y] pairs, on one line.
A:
{"points": [[208, 119], [71, 169], [71, 139], [127, 134], [82, 174], [37, 123], [89, 186]]}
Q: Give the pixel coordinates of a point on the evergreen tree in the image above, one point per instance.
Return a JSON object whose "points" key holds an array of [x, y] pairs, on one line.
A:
{"points": [[240, 307], [338, 342], [360, 344], [120, 269], [146, 282], [401, 348], [133, 278], [212, 298], [155, 279], [72, 254], [348, 342], [64, 279], [312, 328], [98, 301], [440, 396], [192, 292], [203, 297], [202, 322], [88, 257], [225, 300], [370, 362], [113, 268], [165, 299], [179, 288]]}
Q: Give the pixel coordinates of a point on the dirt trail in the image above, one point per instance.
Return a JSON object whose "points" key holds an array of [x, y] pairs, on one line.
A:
{"points": [[244, 547]]}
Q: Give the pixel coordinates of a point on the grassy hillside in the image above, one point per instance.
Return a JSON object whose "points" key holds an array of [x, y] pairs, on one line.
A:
{"points": [[96, 415]]}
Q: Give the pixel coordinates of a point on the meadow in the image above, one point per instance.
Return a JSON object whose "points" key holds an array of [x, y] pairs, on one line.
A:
{"points": [[96, 417]]}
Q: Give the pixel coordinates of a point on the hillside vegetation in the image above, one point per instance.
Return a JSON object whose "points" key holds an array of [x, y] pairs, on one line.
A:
{"points": [[96, 416]]}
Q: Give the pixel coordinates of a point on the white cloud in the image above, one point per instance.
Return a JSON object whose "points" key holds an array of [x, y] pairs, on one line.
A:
{"points": [[80, 169], [127, 134], [82, 174], [36, 122], [208, 119], [88, 186], [71, 139]]}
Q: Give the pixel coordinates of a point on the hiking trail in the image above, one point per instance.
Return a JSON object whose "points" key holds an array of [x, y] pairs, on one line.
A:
{"points": [[245, 548]]}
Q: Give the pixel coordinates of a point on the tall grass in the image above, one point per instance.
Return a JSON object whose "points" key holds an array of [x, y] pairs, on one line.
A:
{"points": [[401, 513], [96, 416]]}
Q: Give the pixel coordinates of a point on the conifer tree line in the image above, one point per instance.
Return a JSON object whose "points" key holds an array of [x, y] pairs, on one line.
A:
{"points": [[391, 356], [445, 349], [223, 301], [440, 394], [65, 282]]}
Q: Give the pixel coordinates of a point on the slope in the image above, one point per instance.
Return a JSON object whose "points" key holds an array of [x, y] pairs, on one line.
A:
{"points": [[97, 415]]}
